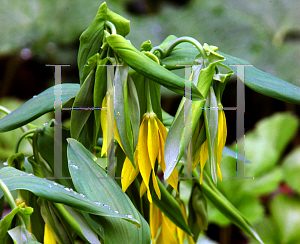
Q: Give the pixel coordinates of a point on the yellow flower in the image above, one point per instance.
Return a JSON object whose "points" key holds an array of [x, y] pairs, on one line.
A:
{"points": [[150, 146], [104, 129], [167, 228], [48, 236], [202, 152]]}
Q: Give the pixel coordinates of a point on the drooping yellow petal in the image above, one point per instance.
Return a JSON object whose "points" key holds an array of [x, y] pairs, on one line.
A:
{"points": [[128, 173], [143, 156], [167, 233], [154, 220], [104, 128], [153, 140], [143, 189], [155, 185], [222, 135], [162, 129], [48, 236], [203, 158]]}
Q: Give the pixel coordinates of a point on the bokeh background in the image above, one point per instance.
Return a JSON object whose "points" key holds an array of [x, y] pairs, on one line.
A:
{"points": [[34, 33]]}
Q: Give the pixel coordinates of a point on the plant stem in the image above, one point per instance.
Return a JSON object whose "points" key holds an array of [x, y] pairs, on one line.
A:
{"points": [[112, 27], [185, 39], [148, 97], [8, 195], [22, 137], [157, 48]]}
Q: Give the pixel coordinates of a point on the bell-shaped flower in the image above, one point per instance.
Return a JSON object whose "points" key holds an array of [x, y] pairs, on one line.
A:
{"points": [[150, 147], [202, 154]]}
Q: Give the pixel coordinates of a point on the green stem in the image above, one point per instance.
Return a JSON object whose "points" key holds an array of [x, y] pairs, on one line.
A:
{"points": [[112, 27], [159, 49], [22, 137], [185, 39], [8, 195], [37, 170], [148, 97]]}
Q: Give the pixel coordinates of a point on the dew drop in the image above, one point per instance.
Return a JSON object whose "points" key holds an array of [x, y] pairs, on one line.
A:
{"points": [[30, 174], [34, 96], [81, 195], [67, 189], [55, 183], [49, 186], [129, 216], [73, 166], [5, 164], [98, 203], [106, 206], [116, 211]]}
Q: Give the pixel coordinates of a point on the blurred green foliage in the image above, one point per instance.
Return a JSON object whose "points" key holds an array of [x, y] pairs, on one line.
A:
{"points": [[266, 33]]}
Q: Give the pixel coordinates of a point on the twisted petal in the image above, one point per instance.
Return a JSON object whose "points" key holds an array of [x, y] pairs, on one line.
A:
{"points": [[129, 173], [155, 185]]}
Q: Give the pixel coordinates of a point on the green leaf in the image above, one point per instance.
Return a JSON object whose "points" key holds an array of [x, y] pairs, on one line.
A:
{"points": [[172, 144], [211, 126], [37, 106], [134, 108], [225, 207], [20, 235], [5, 223], [255, 79], [286, 212], [46, 149], [100, 88], [78, 223], [17, 161], [51, 191], [167, 119], [266, 143], [55, 223], [35, 217], [169, 206], [265, 83], [122, 115], [91, 38], [291, 169], [84, 99], [91, 180], [138, 61]]}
